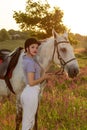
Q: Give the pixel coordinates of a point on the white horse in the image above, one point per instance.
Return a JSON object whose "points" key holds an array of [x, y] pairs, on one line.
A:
{"points": [[56, 48]]}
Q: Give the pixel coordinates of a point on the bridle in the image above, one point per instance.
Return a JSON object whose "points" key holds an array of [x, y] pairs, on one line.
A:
{"points": [[62, 62]]}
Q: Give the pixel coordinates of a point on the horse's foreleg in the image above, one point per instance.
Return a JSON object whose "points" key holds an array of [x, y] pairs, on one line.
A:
{"points": [[18, 114]]}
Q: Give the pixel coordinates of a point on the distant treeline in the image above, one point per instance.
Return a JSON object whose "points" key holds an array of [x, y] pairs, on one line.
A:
{"points": [[19, 35], [15, 35]]}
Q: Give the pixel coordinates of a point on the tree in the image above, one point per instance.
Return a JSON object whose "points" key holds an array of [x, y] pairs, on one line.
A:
{"points": [[11, 32], [40, 17], [72, 38], [4, 35]]}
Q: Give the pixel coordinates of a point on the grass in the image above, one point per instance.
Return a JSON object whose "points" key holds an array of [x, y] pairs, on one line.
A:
{"points": [[81, 57], [11, 44], [64, 109], [63, 105]]}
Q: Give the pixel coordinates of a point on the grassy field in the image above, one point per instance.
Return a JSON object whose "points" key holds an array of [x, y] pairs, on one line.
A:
{"points": [[11, 44], [63, 105]]}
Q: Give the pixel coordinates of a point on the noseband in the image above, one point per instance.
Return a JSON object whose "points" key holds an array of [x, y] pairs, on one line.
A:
{"points": [[62, 62]]}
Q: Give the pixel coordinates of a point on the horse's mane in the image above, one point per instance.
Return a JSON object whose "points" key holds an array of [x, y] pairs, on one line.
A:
{"points": [[44, 40]]}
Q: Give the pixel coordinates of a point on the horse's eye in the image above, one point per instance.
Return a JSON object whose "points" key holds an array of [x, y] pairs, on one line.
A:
{"points": [[63, 50]]}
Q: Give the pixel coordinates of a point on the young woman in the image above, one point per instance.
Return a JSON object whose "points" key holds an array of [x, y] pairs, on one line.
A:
{"points": [[29, 96]]}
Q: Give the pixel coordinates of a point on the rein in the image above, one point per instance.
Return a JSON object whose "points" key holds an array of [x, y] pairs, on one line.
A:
{"points": [[62, 62]]}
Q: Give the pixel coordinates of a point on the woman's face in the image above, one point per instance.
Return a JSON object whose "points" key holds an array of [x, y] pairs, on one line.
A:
{"points": [[32, 50]]}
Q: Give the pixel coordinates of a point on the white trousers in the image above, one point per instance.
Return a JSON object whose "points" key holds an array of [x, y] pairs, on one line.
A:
{"points": [[29, 100]]}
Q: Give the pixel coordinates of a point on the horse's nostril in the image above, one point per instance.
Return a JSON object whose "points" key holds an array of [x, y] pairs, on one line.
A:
{"points": [[76, 71], [73, 72]]}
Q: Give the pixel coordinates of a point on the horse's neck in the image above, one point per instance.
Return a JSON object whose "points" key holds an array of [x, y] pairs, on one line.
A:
{"points": [[45, 54]]}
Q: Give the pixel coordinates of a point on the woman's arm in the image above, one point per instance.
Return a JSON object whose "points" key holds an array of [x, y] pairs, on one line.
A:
{"points": [[33, 82]]}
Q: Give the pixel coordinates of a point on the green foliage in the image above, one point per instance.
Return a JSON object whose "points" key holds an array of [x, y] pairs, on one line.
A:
{"points": [[11, 44], [40, 18], [73, 39], [78, 40], [81, 57], [4, 35], [64, 106], [7, 114], [11, 32]]}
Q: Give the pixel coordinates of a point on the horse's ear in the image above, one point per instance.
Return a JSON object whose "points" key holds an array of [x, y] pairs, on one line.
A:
{"points": [[65, 34], [54, 33]]}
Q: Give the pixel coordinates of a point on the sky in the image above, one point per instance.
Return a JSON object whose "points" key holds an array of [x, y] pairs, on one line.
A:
{"points": [[75, 13]]}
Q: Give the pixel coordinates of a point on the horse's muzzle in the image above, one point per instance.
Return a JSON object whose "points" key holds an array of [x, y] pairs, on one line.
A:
{"points": [[73, 71]]}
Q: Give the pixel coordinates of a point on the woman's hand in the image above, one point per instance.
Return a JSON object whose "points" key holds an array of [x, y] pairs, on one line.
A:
{"points": [[48, 76]]}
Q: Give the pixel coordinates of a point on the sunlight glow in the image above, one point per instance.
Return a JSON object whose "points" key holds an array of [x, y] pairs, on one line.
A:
{"points": [[7, 7], [74, 13]]}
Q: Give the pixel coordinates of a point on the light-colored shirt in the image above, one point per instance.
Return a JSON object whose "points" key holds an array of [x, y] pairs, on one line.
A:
{"points": [[30, 65]]}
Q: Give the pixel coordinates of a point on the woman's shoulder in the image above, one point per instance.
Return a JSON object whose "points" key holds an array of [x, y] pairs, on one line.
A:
{"points": [[28, 60]]}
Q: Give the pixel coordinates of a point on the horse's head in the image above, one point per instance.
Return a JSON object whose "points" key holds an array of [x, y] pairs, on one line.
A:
{"points": [[64, 54]]}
